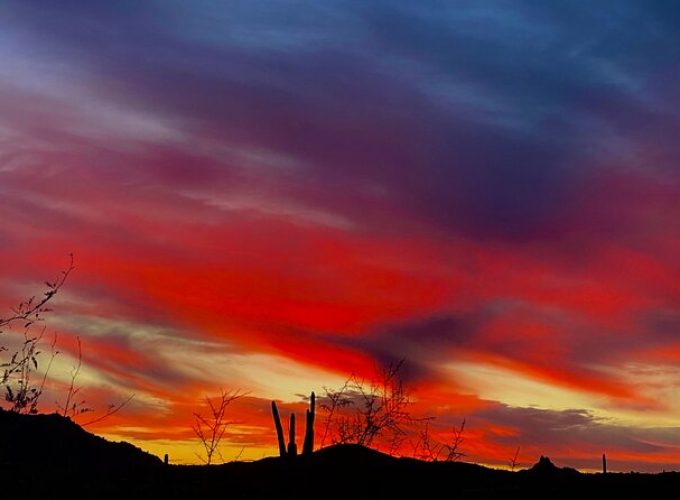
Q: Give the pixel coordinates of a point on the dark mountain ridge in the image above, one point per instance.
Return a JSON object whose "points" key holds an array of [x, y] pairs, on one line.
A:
{"points": [[49, 456], [56, 441]]}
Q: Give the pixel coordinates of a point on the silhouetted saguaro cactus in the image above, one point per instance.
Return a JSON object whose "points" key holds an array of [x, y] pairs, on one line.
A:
{"points": [[292, 445], [604, 463], [279, 430], [308, 443]]}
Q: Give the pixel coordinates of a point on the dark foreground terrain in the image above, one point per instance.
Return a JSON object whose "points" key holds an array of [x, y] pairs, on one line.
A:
{"points": [[48, 456]]}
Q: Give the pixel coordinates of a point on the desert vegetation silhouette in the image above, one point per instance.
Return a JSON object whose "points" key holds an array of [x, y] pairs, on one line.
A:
{"points": [[21, 380], [210, 426]]}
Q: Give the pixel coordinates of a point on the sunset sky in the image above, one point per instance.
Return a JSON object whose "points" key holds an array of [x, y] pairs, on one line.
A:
{"points": [[272, 195]]}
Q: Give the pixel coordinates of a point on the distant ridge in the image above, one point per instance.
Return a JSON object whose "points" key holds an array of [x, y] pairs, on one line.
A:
{"points": [[545, 467], [49, 456]]}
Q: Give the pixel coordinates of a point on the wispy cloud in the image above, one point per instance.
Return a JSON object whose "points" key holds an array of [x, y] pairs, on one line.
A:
{"points": [[276, 196]]}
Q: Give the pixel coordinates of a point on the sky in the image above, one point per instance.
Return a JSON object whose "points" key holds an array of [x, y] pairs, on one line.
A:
{"points": [[272, 195]]}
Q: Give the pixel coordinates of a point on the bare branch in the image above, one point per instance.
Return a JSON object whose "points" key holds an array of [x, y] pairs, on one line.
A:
{"points": [[368, 413], [112, 409], [30, 311], [452, 448], [210, 428], [70, 406], [513, 461]]}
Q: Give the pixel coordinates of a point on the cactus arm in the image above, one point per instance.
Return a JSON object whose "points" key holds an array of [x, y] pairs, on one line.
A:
{"points": [[279, 430], [308, 445], [292, 446]]}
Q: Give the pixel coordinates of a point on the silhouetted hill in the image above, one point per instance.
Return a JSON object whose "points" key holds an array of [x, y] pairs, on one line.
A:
{"points": [[545, 468], [48, 456], [55, 441]]}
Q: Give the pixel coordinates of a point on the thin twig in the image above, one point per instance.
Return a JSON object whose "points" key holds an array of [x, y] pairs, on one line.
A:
{"points": [[112, 409], [72, 390], [29, 310]]}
